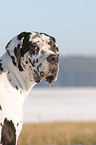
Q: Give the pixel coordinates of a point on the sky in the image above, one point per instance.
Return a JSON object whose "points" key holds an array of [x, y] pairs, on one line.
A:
{"points": [[71, 22]]}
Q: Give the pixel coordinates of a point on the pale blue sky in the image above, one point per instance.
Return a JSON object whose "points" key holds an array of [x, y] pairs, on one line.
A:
{"points": [[71, 22]]}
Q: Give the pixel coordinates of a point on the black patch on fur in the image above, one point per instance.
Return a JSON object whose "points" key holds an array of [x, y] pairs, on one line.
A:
{"points": [[10, 80], [39, 66], [26, 45], [37, 77], [0, 107], [17, 124], [16, 49], [20, 67], [1, 68], [57, 48], [8, 43], [37, 60], [26, 62], [32, 63], [13, 60], [16, 87], [8, 133], [23, 34], [15, 52]]}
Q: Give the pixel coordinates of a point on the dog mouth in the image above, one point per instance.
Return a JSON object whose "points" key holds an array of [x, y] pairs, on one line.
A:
{"points": [[52, 76], [49, 79], [52, 72], [54, 66]]}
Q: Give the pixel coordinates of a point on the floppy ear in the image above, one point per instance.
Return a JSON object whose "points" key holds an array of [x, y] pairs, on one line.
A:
{"points": [[14, 48], [22, 37], [19, 51]]}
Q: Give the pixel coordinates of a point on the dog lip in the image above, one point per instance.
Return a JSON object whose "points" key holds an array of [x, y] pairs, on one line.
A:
{"points": [[51, 76]]}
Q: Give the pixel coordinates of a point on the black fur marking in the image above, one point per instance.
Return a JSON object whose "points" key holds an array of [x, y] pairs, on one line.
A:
{"points": [[37, 73], [23, 34], [16, 49], [8, 44], [20, 67], [15, 52], [8, 133], [32, 63], [13, 60], [17, 124], [0, 107], [30, 66], [39, 66], [37, 60], [1, 68], [10, 80], [57, 48], [16, 87], [26, 45], [26, 62]]}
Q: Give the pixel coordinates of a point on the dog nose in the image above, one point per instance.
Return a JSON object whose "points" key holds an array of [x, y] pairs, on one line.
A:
{"points": [[52, 58]]}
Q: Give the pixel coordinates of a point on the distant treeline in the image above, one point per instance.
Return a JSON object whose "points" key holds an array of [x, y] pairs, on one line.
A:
{"points": [[75, 71]]}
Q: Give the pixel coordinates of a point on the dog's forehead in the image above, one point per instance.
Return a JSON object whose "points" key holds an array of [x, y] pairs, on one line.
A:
{"points": [[44, 41], [39, 37]]}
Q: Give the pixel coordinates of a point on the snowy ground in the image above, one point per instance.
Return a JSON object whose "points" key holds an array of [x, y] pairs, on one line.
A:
{"points": [[60, 104]]}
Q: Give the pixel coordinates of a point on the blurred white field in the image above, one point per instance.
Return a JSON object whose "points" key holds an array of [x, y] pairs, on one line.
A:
{"points": [[60, 104]]}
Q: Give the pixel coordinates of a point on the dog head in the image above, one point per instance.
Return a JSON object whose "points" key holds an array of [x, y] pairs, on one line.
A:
{"points": [[36, 53]]}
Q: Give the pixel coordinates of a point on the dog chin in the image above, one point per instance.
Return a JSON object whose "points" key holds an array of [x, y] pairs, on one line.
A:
{"points": [[50, 78]]}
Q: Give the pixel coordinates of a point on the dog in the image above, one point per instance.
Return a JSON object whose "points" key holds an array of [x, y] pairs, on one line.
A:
{"points": [[29, 57]]}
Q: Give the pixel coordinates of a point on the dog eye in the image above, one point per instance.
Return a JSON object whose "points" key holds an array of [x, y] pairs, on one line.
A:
{"points": [[34, 49]]}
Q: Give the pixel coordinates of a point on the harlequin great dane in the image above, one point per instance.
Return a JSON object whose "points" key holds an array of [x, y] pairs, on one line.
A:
{"points": [[29, 57]]}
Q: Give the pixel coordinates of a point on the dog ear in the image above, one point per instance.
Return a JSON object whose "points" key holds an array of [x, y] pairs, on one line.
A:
{"points": [[14, 48], [19, 51], [22, 36]]}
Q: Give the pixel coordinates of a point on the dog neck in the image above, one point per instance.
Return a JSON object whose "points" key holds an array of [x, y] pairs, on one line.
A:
{"points": [[19, 80]]}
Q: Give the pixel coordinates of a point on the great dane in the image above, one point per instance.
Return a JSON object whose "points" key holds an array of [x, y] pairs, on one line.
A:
{"points": [[29, 57]]}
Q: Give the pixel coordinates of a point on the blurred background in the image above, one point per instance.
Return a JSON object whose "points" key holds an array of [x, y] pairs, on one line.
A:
{"points": [[71, 22], [72, 97]]}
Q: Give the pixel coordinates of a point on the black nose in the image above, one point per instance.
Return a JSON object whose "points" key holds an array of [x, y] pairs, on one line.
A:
{"points": [[52, 58]]}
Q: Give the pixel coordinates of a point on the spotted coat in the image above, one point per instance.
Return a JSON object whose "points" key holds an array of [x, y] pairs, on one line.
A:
{"points": [[29, 57]]}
